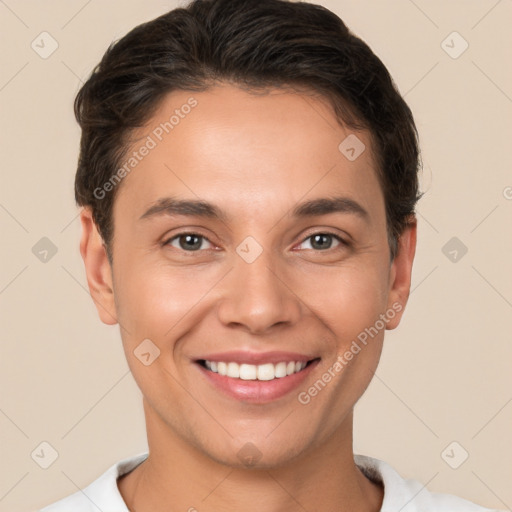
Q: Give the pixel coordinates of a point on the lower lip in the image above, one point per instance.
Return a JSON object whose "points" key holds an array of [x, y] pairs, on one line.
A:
{"points": [[257, 391]]}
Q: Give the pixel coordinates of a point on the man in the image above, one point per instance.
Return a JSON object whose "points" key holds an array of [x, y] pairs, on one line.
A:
{"points": [[248, 178]]}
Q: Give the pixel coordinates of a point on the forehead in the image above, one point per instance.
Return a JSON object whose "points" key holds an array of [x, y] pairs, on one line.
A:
{"points": [[247, 151]]}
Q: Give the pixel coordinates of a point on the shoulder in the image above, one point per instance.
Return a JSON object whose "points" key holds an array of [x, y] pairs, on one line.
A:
{"points": [[102, 494], [409, 495]]}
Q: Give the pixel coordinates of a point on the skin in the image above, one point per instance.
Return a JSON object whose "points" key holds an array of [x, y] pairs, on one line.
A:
{"points": [[255, 157]]}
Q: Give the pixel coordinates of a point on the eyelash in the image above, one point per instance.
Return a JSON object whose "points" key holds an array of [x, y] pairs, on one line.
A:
{"points": [[336, 237]]}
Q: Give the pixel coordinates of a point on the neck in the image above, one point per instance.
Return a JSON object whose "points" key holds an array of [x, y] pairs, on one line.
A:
{"points": [[178, 477]]}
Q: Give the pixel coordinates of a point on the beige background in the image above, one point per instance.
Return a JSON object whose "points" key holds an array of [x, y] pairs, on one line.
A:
{"points": [[445, 373]]}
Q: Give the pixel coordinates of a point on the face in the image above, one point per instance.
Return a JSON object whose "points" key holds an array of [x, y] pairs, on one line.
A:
{"points": [[251, 271]]}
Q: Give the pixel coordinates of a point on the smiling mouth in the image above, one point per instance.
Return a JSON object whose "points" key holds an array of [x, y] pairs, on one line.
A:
{"points": [[261, 372]]}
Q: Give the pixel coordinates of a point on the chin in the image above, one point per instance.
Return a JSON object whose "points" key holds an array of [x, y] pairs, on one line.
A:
{"points": [[260, 453]]}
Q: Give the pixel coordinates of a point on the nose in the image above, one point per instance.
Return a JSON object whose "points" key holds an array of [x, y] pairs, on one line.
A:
{"points": [[258, 298]]}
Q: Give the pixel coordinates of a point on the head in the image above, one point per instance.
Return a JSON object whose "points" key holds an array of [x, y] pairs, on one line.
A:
{"points": [[248, 173]]}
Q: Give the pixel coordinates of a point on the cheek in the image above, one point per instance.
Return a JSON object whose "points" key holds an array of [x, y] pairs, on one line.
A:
{"points": [[347, 299], [349, 303], [154, 301], [152, 304]]}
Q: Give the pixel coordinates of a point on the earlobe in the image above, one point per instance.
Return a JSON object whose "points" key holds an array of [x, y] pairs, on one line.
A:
{"points": [[400, 273], [97, 268]]}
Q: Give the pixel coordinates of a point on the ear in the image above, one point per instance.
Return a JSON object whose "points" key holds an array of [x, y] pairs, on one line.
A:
{"points": [[400, 273], [97, 268]]}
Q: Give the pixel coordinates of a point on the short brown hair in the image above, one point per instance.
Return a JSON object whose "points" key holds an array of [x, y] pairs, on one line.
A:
{"points": [[255, 44]]}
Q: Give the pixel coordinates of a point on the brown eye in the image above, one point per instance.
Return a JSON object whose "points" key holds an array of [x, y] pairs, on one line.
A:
{"points": [[187, 241], [323, 241]]}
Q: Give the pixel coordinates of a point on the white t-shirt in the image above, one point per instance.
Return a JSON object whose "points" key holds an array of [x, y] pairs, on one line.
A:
{"points": [[399, 494]]}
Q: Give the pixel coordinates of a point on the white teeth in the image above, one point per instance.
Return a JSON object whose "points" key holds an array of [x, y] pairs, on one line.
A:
{"points": [[280, 370], [248, 372], [222, 368], [233, 370], [267, 371]]}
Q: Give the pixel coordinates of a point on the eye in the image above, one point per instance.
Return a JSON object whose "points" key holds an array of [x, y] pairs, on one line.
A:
{"points": [[189, 242], [322, 241]]}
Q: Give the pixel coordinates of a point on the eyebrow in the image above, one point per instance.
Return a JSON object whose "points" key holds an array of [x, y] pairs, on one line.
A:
{"points": [[199, 208], [324, 206], [172, 206]]}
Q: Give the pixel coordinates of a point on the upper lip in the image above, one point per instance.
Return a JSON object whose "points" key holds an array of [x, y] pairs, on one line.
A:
{"points": [[256, 358]]}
